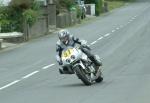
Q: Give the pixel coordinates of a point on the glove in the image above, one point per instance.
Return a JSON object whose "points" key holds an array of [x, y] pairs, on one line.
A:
{"points": [[60, 62], [85, 46]]}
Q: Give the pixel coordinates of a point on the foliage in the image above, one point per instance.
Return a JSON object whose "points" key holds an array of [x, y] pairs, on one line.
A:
{"points": [[98, 5], [22, 4], [13, 15], [3, 18], [66, 3], [63, 5], [78, 10], [121, 0], [115, 4], [30, 16]]}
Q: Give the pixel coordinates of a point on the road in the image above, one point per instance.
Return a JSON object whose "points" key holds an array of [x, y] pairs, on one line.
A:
{"points": [[29, 73]]}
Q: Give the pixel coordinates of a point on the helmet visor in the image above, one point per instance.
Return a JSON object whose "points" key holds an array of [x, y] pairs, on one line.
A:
{"points": [[64, 39]]}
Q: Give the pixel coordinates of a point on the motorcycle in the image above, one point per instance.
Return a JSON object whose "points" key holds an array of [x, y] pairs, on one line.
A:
{"points": [[76, 62]]}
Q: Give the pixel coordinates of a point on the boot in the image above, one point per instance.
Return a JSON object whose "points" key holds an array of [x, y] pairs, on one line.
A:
{"points": [[96, 62], [61, 71]]}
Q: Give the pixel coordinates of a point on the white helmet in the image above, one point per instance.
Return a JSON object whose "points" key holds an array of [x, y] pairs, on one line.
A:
{"points": [[64, 36]]}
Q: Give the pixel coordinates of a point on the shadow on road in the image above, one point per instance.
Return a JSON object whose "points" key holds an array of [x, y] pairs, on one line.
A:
{"points": [[78, 85], [70, 85]]}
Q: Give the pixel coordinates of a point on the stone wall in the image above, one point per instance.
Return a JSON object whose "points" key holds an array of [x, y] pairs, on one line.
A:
{"points": [[48, 21], [66, 19], [39, 28]]}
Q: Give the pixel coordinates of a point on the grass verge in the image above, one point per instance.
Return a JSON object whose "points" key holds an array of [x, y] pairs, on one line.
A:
{"points": [[115, 4]]}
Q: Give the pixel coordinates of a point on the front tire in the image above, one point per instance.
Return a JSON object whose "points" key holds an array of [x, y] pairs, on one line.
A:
{"points": [[99, 79], [83, 76]]}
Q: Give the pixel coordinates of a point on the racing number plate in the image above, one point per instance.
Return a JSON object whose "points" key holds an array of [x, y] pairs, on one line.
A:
{"points": [[67, 53]]}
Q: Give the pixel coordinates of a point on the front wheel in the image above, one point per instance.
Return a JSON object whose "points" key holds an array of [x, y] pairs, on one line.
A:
{"points": [[99, 79], [85, 78]]}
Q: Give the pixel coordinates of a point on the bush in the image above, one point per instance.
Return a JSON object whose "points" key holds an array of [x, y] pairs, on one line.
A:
{"points": [[79, 12], [63, 5], [97, 8], [66, 3], [121, 0], [13, 16], [30, 16]]}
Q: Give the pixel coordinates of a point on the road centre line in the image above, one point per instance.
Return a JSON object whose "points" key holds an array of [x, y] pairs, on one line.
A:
{"points": [[100, 38], [118, 28], [29, 75], [10, 84], [93, 42], [106, 34], [48, 66], [113, 31], [121, 26], [131, 20]]}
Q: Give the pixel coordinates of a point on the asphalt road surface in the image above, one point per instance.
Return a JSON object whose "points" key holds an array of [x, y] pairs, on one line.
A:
{"points": [[29, 73]]}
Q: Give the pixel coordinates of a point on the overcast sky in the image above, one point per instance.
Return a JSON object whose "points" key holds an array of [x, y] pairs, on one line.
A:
{"points": [[5, 2]]}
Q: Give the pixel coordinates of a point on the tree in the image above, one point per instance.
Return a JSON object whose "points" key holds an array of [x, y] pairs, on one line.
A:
{"points": [[22, 4], [13, 16]]}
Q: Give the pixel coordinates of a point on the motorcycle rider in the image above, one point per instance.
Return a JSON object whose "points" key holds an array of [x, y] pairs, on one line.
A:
{"points": [[66, 39]]}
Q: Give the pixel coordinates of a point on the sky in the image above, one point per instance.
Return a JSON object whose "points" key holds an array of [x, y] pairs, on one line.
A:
{"points": [[5, 2]]}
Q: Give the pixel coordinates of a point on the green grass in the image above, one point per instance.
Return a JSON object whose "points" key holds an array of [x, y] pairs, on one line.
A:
{"points": [[115, 4]]}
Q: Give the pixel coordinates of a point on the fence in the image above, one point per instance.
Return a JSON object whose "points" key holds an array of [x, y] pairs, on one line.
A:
{"points": [[7, 28]]}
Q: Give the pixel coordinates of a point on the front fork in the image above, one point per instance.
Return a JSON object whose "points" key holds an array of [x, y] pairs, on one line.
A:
{"points": [[89, 71]]}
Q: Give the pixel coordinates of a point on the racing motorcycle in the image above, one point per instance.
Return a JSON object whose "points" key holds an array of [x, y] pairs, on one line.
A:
{"points": [[77, 62]]}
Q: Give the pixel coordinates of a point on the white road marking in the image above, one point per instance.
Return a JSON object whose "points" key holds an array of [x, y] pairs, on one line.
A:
{"points": [[93, 42], [10, 84], [106, 34], [131, 20], [48, 66], [113, 31], [118, 28], [29, 75], [100, 38], [121, 26]]}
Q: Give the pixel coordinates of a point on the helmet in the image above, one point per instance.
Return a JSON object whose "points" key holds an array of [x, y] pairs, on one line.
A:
{"points": [[64, 36]]}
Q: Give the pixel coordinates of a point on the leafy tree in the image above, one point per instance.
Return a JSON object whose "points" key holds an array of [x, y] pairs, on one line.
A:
{"points": [[18, 11]]}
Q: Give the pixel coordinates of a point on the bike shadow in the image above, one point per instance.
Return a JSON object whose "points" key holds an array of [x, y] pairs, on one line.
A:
{"points": [[78, 85], [70, 85]]}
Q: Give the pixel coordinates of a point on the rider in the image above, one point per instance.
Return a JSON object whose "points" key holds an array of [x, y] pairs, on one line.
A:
{"points": [[66, 39]]}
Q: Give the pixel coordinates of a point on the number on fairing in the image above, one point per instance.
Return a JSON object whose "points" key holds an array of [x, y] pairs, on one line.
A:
{"points": [[67, 53]]}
